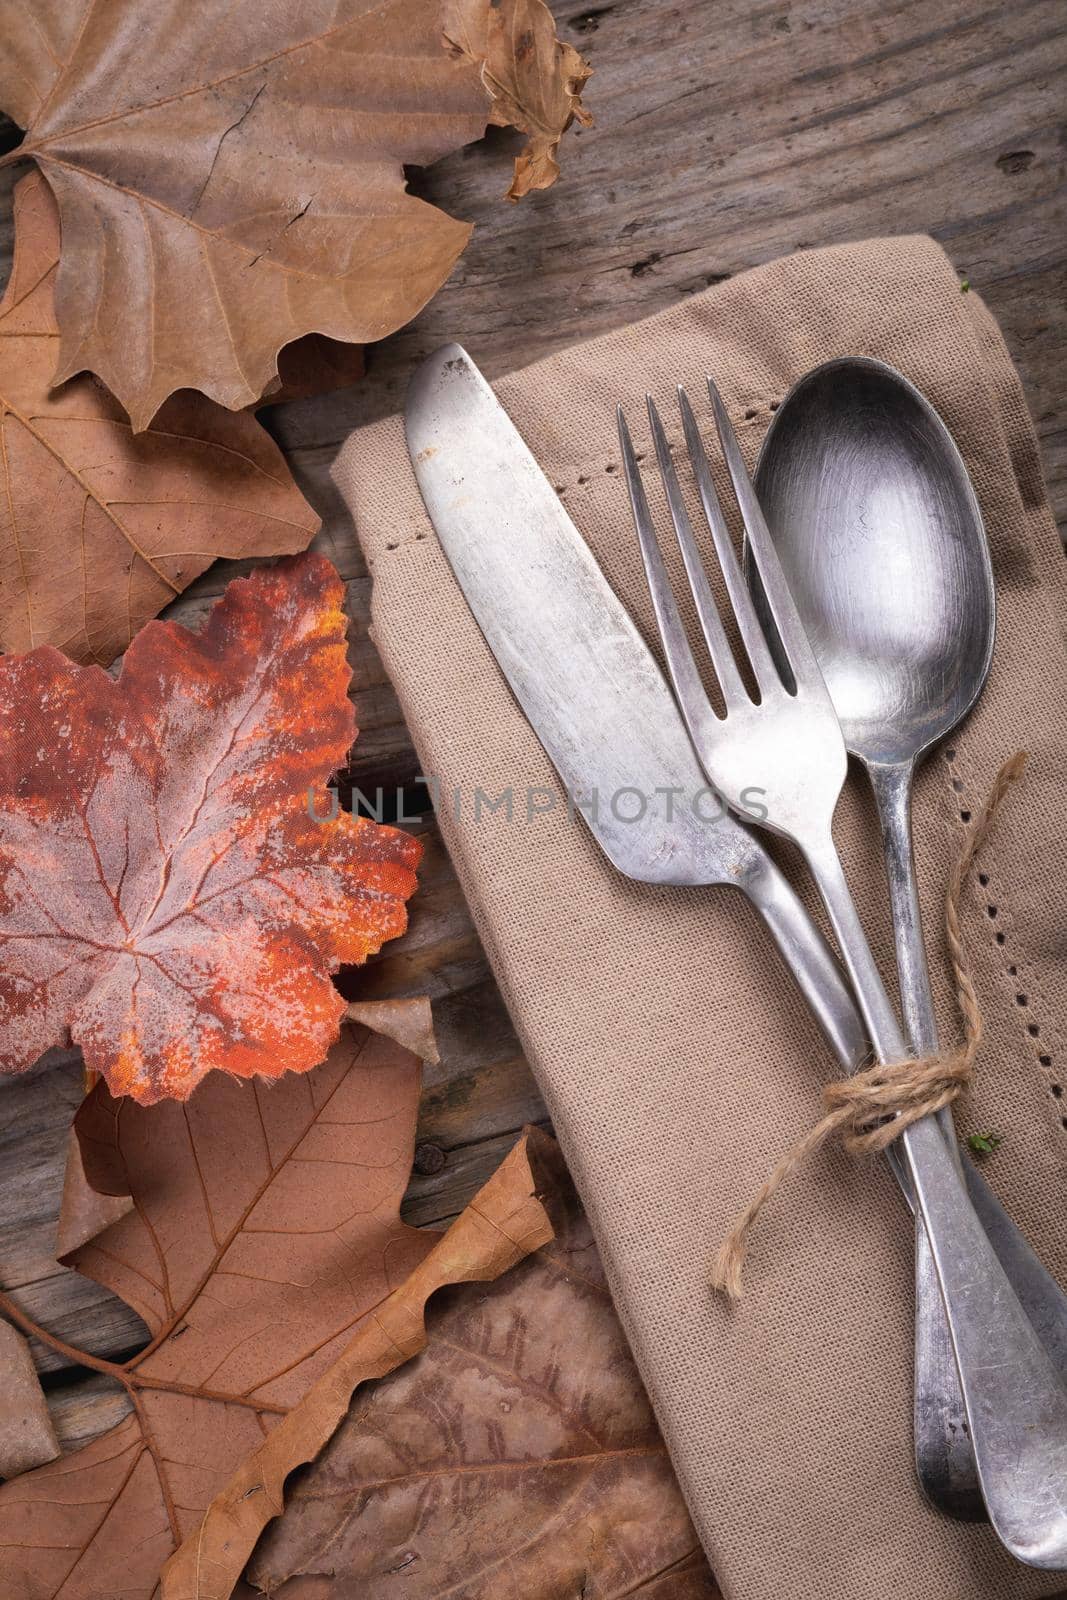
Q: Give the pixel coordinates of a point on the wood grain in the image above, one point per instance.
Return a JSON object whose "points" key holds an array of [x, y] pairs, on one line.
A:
{"points": [[724, 137]]}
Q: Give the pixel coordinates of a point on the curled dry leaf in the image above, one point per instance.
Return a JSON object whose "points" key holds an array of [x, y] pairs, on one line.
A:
{"points": [[314, 365], [168, 899], [265, 1229], [27, 1438], [534, 80], [409, 1022], [231, 177], [99, 527], [87, 1207], [503, 1223], [517, 1455]]}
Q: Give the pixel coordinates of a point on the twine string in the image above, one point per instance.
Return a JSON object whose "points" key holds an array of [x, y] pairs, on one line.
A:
{"points": [[870, 1109]]}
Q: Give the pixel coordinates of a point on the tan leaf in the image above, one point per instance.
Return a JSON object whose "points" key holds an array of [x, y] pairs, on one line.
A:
{"points": [[100, 528], [517, 1455], [231, 177], [86, 1209], [314, 365], [535, 81], [409, 1022], [27, 1438], [503, 1223], [266, 1228]]}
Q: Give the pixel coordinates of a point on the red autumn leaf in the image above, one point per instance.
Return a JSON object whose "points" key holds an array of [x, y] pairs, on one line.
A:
{"points": [[167, 899]]}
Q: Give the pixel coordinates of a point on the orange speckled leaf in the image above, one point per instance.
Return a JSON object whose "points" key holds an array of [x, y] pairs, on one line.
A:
{"points": [[167, 900]]}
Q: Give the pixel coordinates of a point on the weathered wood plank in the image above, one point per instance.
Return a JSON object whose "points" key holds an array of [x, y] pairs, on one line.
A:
{"points": [[435, 1199], [723, 138]]}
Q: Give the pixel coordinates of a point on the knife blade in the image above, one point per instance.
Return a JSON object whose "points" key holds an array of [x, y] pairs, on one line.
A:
{"points": [[587, 682]]}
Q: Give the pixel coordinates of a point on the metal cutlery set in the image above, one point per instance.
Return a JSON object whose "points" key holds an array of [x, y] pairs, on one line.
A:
{"points": [[866, 623]]}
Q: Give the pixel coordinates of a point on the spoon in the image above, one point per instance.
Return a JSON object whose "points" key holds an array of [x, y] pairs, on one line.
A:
{"points": [[881, 538]]}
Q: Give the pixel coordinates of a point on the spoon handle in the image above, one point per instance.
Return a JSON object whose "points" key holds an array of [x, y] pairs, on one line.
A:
{"points": [[944, 1457], [892, 794]]}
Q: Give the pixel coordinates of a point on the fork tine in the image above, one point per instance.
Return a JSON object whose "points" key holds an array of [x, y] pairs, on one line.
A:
{"points": [[696, 708], [740, 597], [722, 658], [796, 646]]}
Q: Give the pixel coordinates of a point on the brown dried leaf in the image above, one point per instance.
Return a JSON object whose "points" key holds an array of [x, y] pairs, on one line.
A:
{"points": [[27, 1438], [231, 178], [168, 899], [409, 1022], [518, 1454], [314, 365], [503, 1223], [535, 81], [85, 1209], [266, 1228], [99, 527]]}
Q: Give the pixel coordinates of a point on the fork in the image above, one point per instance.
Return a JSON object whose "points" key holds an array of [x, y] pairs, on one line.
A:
{"points": [[787, 748]]}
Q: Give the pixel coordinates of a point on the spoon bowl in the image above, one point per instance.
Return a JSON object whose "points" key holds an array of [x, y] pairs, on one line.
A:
{"points": [[880, 533]]}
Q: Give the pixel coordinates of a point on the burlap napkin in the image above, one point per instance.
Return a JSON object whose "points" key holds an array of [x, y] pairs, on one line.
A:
{"points": [[672, 1048]]}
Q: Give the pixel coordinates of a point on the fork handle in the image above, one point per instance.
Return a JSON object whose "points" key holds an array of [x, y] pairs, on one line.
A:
{"points": [[1016, 1405], [944, 1457]]}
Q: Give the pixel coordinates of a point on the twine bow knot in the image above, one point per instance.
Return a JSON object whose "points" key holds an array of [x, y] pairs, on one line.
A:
{"points": [[870, 1109]]}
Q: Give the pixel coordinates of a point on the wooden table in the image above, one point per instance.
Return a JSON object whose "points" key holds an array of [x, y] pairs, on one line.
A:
{"points": [[725, 135]]}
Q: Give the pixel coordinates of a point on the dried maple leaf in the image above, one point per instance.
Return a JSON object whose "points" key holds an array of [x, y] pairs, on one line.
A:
{"points": [[517, 1454], [99, 527], [535, 81], [167, 899], [265, 1233], [503, 1223], [231, 177]]}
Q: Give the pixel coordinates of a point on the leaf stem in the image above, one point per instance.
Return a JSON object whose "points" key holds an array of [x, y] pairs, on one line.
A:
{"points": [[129, 1379], [79, 1358]]}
